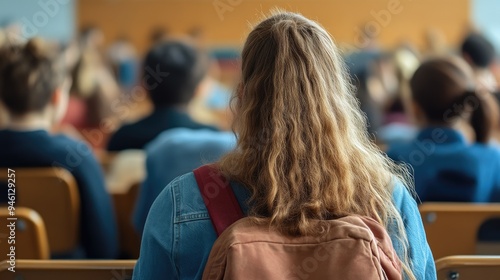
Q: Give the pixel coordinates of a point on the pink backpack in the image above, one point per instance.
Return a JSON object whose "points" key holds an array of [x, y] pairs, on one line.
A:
{"points": [[355, 247]]}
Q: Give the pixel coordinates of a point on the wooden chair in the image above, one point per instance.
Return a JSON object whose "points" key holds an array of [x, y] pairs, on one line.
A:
{"points": [[68, 269], [468, 268], [30, 235], [53, 193], [452, 228]]}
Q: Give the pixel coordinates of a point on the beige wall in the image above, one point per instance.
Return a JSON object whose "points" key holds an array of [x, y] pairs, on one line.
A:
{"points": [[343, 18]]}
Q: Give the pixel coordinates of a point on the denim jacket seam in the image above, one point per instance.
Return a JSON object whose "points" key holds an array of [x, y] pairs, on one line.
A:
{"points": [[192, 217], [176, 212]]}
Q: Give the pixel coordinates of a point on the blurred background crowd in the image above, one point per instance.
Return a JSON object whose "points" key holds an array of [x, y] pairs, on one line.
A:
{"points": [[105, 42]]}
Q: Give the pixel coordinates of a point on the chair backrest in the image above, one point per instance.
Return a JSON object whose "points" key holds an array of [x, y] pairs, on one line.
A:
{"points": [[53, 193], [25, 231], [452, 228], [68, 269], [468, 268]]}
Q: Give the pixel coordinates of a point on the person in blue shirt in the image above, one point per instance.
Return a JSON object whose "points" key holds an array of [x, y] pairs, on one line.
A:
{"points": [[451, 157], [34, 90], [302, 154], [175, 152], [173, 71]]}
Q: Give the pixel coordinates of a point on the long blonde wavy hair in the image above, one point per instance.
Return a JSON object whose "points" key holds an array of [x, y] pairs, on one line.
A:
{"points": [[303, 150]]}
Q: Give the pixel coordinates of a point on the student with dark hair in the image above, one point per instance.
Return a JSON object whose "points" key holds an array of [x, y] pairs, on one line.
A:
{"points": [[451, 158], [172, 73], [34, 89], [479, 52]]}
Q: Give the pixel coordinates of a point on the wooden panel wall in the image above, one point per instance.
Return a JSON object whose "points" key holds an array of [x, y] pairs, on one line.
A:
{"points": [[228, 21]]}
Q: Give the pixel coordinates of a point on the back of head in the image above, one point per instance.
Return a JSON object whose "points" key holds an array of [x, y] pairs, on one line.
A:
{"points": [[478, 50], [172, 72], [302, 146], [444, 89], [29, 75]]}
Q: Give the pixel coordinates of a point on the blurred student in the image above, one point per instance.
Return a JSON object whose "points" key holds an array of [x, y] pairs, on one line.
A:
{"points": [[211, 104], [173, 71], [479, 52], [450, 156], [158, 34], [302, 154], [3, 113], [174, 153], [34, 89], [123, 58], [361, 64], [435, 42], [93, 91], [397, 125]]}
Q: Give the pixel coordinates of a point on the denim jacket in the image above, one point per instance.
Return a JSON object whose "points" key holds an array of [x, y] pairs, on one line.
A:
{"points": [[179, 235], [173, 153]]}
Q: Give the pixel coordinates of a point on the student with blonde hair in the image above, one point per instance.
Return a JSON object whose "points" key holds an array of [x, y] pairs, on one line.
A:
{"points": [[302, 155]]}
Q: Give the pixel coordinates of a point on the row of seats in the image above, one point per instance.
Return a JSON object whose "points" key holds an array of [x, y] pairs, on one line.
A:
{"points": [[53, 194], [68, 269], [449, 268], [451, 229]]}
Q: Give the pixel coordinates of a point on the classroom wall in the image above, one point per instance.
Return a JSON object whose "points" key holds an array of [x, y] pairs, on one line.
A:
{"points": [[226, 22]]}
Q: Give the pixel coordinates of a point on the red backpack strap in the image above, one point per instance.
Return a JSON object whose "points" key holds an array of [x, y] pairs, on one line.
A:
{"points": [[218, 196]]}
